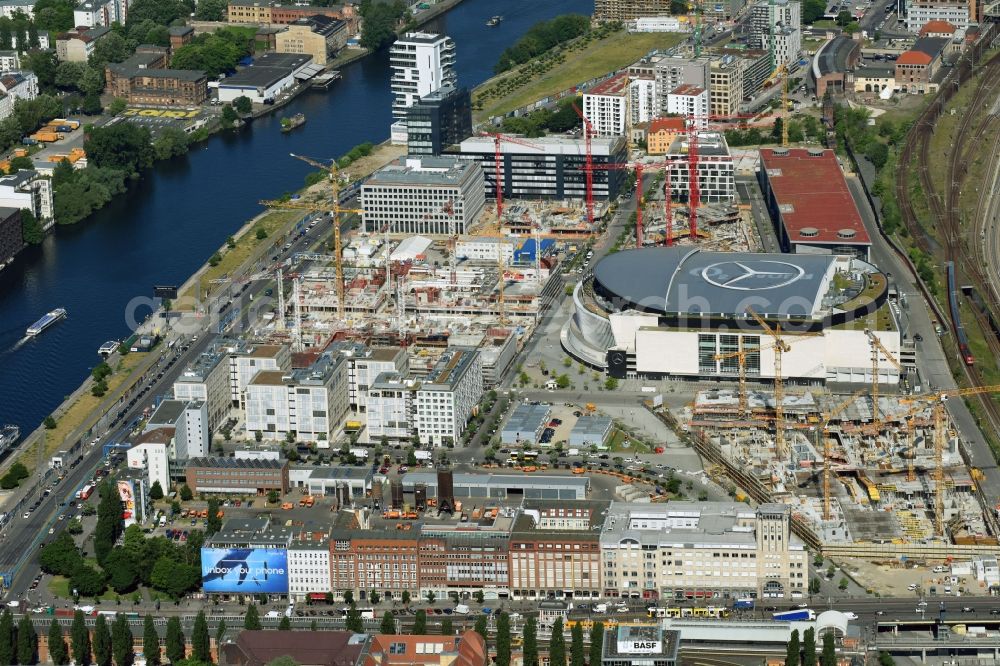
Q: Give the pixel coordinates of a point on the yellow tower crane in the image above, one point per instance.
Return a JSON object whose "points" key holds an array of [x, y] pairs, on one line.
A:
{"points": [[824, 431], [335, 210], [878, 349], [780, 347], [937, 400], [741, 357]]}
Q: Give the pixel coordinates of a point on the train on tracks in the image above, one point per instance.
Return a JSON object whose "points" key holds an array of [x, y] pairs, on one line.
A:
{"points": [[956, 318]]}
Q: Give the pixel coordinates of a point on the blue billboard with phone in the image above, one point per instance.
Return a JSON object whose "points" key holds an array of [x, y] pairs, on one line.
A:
{"points": [[244, 570]]}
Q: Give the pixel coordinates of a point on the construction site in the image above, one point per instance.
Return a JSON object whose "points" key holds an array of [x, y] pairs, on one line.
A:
{"points": [[868, 474]]}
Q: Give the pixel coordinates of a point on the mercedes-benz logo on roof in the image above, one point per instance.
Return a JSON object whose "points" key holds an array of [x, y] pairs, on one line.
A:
{"points": [[752, 275]]}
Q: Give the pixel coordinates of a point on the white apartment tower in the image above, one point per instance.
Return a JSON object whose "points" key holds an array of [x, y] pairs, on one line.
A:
{"points": [[691, 102], [642, 99], [606, 106], [421, 63], [447, 395]]}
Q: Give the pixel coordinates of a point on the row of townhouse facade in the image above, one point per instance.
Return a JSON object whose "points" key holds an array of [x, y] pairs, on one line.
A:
{"points": [[584, 549]]}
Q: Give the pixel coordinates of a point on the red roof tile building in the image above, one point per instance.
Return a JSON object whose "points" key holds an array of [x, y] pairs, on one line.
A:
{"points": [[469, 649], [938, 29], [917, 68], [810, 203]]}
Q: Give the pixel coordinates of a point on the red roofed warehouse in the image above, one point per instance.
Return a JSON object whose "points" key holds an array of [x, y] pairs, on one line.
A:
{"points": [[810, 203], [917, 69]]}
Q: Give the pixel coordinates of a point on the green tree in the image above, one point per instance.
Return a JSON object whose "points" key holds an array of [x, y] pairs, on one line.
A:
{"points": [[529, 649], [814, 585], [156, 491], [354, 622], [175, 640], [122, 146], [117, 106], [150, 641], [201, 646], [243, 105], [170, 142], [109, 521], [214, 522], [843, 583], [211, 10], [885, 659], [88, 581], [174, 577], [380, 20], [405, 597], [480, 627], [31, 229], [447, 629], [285, 624], [348, 597], [792, 649], [60, 556], [542, 37], [121, 569], [557, 644], [185, 493], [220, 631], [596, 642], [121, 641], [80, 638], [829, 654], [576, 652], [102, 642], [251, 620], [54, 15], [420, 623], [844, 19], [49, 422], [478, 596], [57, 644], [503, 640], [388, 625], [27, 642], [7, 638], [273, 496], [809, 647]]}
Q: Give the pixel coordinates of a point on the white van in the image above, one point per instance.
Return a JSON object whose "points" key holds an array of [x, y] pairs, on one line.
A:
{"points": [[462, 609], [600, 608]]}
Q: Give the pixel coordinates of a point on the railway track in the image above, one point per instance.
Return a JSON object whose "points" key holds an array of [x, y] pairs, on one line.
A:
{"points": [[944, 205]]}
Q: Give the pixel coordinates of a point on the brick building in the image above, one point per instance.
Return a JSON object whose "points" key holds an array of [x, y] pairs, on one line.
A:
{"points": [[144, 79], [236, 475], [361, 561], [555, 550], [917, 68]]}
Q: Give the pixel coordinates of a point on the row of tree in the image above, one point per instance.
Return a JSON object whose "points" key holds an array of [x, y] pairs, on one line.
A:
{"points": [[216, 52], [804, 653], [540, 121], [105, 645], [541, 37]]}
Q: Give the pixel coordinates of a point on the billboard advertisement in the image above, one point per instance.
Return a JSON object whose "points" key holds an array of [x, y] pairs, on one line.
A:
{"points": [[244, 570], [126, 493]]}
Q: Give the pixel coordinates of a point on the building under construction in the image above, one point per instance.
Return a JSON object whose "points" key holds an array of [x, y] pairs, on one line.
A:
{"points": [[862, 480]]}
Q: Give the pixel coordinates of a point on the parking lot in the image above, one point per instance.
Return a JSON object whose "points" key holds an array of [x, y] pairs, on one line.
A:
{"points": [[158, 119]]}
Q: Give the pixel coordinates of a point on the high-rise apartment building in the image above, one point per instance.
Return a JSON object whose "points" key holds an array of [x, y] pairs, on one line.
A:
{"points": [[765, 13], [439, 119], [726, 85], [690, 101], [606, 105], [421, 63], [446, 397]]}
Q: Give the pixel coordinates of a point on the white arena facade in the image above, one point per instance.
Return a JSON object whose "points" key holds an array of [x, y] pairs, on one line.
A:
{"points": [[664, 312]]}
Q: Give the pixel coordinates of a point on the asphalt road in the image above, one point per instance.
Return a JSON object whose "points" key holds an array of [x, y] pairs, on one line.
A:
{"points": [[21, 539]]}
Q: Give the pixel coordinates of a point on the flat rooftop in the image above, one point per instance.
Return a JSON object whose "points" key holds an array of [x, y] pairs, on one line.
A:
{"points": [[423, 170], [544, 145], [614, 86], [812, 196]]}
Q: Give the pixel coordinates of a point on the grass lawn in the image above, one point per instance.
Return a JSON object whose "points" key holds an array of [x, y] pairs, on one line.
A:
{"points": [[234, 258], [599, 57], [618, 443], [59, 588], [79, 412]]}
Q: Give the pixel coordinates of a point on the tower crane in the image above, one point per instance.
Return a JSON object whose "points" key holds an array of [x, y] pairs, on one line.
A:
{"points": [[780, 347], [824, 431], [878, 349], [937, 401], [335, 211], [498, 139], [741, 356]]}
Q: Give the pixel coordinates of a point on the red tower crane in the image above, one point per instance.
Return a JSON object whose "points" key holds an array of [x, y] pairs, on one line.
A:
{"points": [[498, 184]]}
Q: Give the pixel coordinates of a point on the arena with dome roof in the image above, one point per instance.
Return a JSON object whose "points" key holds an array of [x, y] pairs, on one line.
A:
{"points": [[679, 311]]}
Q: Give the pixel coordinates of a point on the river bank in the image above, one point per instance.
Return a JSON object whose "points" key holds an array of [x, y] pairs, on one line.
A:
{"points": [[166, 225]]}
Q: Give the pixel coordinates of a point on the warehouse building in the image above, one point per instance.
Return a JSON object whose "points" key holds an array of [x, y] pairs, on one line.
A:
{"points": [[810, 203], [525, 424], [549, 167], [423, 195], [503, 486], [590, 431], [269, 76], [670, 312], [313, 480]]}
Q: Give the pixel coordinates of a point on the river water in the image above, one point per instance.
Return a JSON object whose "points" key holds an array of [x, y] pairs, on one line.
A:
{"points": [[165, 227]]}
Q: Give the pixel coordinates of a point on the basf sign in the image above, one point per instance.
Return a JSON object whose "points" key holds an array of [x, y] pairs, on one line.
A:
{"points": [[244, 570], [640, 647]]}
